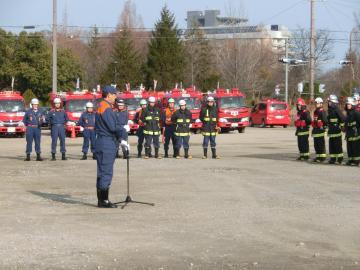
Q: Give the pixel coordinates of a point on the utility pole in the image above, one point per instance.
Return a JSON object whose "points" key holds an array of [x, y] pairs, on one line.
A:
{"points": [[312, 50], [54, 52], [286, 70]]}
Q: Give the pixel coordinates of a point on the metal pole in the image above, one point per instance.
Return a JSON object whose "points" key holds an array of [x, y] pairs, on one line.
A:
{"points": [[312, 50], [286, 71], [54, 52]]}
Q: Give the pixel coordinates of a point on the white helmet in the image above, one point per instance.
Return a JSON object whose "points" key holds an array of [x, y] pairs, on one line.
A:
{"points": [[89, 105], [182, 102], [34, 101], [57, 100], [356, 96], [319, 100], [350, 100], [333, 99], [210, 99], [152, 99]]}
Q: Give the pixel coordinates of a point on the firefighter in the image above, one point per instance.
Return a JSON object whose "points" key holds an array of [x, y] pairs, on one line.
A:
{"points": [[87, 121], [181, 119], [335, 125], [352, 130], [169, 128], [123, 118], [108, 132], [209, 117], [319, 124], [33, 120], [57, 120], [140, 132], [302, 124], [357, 101], [151, 119]]}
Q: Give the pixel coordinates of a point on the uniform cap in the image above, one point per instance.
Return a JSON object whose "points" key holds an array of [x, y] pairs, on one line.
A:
{"points": [[109, 89], [300, 101]]}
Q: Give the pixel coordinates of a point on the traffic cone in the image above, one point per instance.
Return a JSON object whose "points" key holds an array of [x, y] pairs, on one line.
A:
{"points": [[73, 134]]}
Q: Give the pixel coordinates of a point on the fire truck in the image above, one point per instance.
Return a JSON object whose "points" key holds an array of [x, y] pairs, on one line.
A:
{"points": [[233, 114], [74, 103], [193, 103], [12, 111]]}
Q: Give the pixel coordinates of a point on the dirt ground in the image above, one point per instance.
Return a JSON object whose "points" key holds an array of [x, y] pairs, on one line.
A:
{"points": [[256, 208]]}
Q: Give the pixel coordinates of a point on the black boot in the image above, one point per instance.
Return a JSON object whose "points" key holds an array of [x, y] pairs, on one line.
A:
{"points": [[340, 160], [174, 153], [103, 199], [147, 153], [53, 157], [27, 157], [139, 148], [166, 150], [157, 153], [214, 155], [332, 160], [177, 153], [84, 157], [94, 156], [38, 157], [186, 150], [150, 155], [205, 153], [63, 156]]}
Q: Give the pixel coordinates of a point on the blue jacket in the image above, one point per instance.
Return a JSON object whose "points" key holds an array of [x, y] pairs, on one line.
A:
{"points": [[32, 118], [87, 119], [57, 117], [106, 123]]}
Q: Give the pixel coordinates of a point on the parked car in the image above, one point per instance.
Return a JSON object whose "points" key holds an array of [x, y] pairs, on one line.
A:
{"points": [[270, 112]]}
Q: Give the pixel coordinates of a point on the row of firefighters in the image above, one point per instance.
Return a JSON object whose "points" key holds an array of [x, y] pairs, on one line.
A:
{"points": [[173, 124], [334, 123]]}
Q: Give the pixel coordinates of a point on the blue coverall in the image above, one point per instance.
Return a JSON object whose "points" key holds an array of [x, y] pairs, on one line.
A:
{"points": [[108, 131], [32, 120], [87, 121], [57, 121]]}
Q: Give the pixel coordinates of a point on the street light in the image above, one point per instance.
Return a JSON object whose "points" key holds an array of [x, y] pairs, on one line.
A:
{"points": [[347, 62]]}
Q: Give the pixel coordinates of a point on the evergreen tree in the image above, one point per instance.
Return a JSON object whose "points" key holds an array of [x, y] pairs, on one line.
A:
{"points": [[125, 64], [94, 64], [165, 61]]}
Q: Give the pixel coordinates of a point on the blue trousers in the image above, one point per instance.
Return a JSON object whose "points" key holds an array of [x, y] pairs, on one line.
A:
{"points": [[58, 131], [169, 136], [210, 139], [33, 134], [152, 139], [89, 138], [182, 141], [105, 158]]}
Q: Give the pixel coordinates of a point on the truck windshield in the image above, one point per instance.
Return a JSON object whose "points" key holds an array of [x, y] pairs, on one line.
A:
{"points": [[231, 102], [192, 103], [277, 107], [12, 106], [76, 105], [132, 103]]}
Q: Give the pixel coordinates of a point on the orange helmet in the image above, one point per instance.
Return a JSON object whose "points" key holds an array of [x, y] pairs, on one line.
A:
{"points": [[300, 101]]}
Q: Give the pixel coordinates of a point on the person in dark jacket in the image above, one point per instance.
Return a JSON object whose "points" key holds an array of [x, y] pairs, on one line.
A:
{"points": [[33, 120], [209, 118], [123, 118], [140, 132], [169, 127], [335, 125], [302, 124], [87, 121], [319, 124], [352, 131], [181, 119], [151, 119]]}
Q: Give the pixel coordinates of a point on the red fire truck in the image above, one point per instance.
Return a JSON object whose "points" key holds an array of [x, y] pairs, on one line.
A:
{"points": [[12, 111], [193, 103], [232, 112], [75, 104]]}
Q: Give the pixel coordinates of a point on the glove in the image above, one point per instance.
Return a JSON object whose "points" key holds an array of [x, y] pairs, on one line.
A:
{"points": [[124, 145], [127, 128]]}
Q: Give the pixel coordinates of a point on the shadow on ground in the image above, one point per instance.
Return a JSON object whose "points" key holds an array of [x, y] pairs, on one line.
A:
{"points": [[62, 198]]}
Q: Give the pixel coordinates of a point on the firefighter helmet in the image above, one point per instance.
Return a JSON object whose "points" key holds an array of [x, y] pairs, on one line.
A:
{"points": [[171, 100], [152, 99], [34, 101], [143, 102], [210, 99], [89, 105], [350, 100], [57, 100], [319, 100], [182, 102], [300, 101], [356, 96], [120, 101], [333, 99]]}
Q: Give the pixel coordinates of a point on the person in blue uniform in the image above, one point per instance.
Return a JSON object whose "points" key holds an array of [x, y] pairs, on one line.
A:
{"points": [[108, 132], [33, 120], [123, 118], [87, 121], [57, 121], [140, 132]]}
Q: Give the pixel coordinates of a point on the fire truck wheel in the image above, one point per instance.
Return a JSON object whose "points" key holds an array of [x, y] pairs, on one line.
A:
{"points": [[241, 130]]}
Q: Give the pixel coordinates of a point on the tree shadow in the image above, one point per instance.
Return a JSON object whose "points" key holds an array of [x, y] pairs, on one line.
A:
{"points": [[62, 198], [272, 156]]}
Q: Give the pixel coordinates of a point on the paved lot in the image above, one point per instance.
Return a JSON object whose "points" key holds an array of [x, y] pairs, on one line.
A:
{"points": [[256, 208]]}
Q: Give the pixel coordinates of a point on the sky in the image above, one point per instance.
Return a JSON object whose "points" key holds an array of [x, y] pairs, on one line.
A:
{"points": [[333, 15]]}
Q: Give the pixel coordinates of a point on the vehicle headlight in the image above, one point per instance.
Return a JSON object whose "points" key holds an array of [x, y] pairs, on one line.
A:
{"points": [[21, 124], [245, 119], [70, 123], [1, 124], [223, 120], [197, 121], [130, 122]]}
